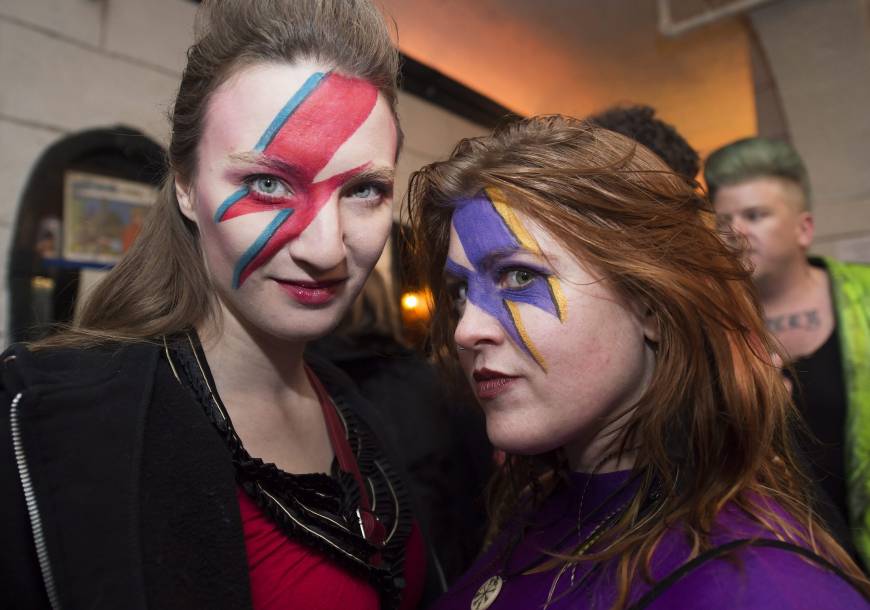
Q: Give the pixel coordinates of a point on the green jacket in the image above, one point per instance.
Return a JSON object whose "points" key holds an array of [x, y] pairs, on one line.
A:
{"points": [[850, 285]]}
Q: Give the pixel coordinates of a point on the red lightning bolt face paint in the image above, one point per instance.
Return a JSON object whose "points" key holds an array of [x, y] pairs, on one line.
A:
{"points": [[292, 192], [297, 133]]}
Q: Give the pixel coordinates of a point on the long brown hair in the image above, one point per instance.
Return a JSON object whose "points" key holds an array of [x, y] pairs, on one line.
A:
{"points": [[161, 286], [713, 425]]}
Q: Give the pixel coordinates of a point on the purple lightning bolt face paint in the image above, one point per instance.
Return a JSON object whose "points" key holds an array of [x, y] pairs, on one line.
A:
{"points": [[490, 232], [292, 194], [552, 352]]}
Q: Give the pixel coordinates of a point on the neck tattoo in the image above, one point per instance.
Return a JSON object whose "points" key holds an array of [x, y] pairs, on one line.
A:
{"points": [[802, 320]]}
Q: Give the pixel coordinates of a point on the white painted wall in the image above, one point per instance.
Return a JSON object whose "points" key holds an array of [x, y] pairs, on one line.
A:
{"points": [[819, 55], [71, 65]]}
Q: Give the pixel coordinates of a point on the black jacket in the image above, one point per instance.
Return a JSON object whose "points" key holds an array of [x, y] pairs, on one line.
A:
{"points": [[116, 490], [445, 450]]}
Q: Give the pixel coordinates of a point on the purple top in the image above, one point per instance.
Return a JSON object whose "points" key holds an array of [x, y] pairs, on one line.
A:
{"points": [[764, 578]]}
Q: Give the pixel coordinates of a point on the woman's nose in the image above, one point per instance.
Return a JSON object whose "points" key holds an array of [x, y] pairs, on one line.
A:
{"points": [[321, 245], [477, 328]]}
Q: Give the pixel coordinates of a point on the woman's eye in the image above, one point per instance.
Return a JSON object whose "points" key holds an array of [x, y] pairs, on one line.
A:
{"points": [[269, 186], [369, 191], [462, 293], [518, 278], [458, 296], [364, 191]]}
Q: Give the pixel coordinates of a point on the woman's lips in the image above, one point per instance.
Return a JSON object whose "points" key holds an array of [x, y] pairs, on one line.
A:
{"points": [[490, 384], [311, 293]]}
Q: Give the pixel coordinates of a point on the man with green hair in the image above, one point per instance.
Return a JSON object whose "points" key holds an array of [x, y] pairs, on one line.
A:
{"points": [[818, 308]]}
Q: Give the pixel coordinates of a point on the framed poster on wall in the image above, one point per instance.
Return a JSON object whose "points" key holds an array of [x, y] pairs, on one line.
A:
{"points": [[102, 216]]}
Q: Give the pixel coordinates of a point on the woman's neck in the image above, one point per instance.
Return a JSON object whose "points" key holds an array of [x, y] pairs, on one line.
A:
{"points": [[600, 449], [599, 462], [263, 384], [243, 360], [601, 454]]}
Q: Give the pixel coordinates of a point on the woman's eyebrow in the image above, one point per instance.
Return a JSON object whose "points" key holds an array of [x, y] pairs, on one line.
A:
{"points": [[385, 175], [258, 158], [494, 257]]}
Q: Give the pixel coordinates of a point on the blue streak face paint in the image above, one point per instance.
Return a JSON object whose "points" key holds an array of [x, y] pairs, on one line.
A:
{"points": [[487, 229], [229, 201], [260, 243]]}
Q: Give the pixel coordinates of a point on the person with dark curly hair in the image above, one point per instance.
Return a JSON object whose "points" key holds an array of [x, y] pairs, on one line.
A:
{"points": [[640, 124]]}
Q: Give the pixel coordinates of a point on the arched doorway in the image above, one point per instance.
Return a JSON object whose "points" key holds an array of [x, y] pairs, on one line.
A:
{"points": [[79, 174]]}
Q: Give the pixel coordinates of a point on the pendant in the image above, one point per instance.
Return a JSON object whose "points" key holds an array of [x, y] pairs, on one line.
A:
{"points": [[487, 593]]}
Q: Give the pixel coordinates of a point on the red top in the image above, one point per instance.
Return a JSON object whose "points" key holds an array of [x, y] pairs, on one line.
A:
{"points": [[285, 574]]}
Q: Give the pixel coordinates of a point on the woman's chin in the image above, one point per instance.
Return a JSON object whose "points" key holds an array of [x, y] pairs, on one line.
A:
{"points": [[518, 442]]}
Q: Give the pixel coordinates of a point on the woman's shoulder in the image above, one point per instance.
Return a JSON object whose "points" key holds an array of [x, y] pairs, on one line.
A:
{"points": [[756, 577], [55, 392], [747, 568], [25, 368]]}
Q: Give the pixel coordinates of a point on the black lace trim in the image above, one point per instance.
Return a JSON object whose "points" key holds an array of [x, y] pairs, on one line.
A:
{"points": [[317, 510]]}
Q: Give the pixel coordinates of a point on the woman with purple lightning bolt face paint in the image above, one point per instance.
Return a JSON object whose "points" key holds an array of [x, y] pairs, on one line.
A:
{"points": [[198, 458], [614, 345]]}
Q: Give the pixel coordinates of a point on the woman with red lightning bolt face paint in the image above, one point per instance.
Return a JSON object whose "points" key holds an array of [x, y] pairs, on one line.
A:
{"points": [[292, 202], [192, 422]]}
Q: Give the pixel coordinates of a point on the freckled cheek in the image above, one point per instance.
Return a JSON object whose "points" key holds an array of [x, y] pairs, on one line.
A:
{"points": [[578, 345], [585, 350]]}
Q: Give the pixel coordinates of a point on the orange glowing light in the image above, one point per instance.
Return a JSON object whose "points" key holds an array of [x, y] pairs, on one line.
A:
{"points": [[416, 306], [410, 301]]}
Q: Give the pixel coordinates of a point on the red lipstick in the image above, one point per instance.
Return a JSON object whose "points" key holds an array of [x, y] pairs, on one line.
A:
{"points": [[490, 384], [312, 293]]}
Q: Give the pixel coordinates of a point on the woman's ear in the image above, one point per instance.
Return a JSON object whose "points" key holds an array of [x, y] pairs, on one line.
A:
{"points": [[184, 196], [650, 324]]}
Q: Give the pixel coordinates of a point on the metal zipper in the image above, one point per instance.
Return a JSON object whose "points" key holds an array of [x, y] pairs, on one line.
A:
{"points": [[32, 508]]}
